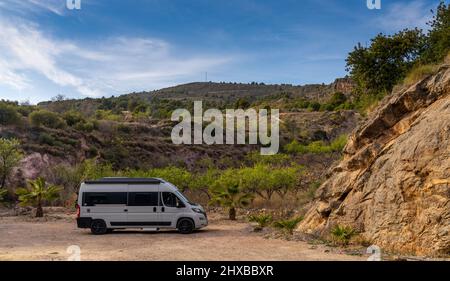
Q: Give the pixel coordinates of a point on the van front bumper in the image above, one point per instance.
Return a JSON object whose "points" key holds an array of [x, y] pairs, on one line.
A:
{"points": [[84, 222], [201, 221]]}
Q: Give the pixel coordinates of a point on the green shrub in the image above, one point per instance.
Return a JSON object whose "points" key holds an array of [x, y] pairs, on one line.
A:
{"points": [[47, 118], [339, 143], [342, 235], [314, 106], [107, 115], [262, 220], [25, 110], [317, 147], [288, 225], [87, 126], [45, 138], [8, 115], [72, 118], [337, 99]]}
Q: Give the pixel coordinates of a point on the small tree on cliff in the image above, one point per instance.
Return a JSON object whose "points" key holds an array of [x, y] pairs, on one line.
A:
{"points": [[10, 156], [37, 194]]}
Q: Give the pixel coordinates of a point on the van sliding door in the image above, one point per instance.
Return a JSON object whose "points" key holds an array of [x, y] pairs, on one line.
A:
{"points": [[143, 208]]}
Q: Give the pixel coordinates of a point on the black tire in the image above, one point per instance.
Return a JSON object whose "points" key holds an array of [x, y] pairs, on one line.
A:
{"points": [[185, 226], [98, 227]]}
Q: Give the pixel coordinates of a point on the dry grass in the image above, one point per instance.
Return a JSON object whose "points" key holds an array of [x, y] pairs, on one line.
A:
{"points": [[420, 72]]}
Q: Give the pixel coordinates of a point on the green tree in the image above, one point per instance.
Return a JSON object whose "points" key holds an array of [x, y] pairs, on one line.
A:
{"points": [[10, 156], [377, 68], [38, 193], [438, 37]]}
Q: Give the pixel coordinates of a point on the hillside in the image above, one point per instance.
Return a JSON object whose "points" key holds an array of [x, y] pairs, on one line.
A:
{"points": [[393, 184], [220, 95]]}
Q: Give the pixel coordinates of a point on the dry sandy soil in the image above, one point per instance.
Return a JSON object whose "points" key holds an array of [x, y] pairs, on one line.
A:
{"points": [[25, 238]]}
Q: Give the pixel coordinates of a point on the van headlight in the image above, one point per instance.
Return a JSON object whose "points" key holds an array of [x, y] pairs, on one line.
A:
{"points": [[197, 210]]}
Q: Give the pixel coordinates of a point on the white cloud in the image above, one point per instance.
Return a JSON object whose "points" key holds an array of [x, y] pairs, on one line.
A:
{"points": [[405, 15], [34, 6], [110, 66]]}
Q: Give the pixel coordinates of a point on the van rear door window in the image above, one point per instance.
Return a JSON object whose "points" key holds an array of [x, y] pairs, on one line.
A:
{"points": [[143, 199], [104, 198]]}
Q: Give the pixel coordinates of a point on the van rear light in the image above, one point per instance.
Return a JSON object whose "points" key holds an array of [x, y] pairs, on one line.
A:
{"points": [[78, 211]]}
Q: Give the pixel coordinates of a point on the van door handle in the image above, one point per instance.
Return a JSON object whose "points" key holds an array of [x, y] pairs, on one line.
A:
{"points": [[162, 209], [154, 209], [126, 210]]}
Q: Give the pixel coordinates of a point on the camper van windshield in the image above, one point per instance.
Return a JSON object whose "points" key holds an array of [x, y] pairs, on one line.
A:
{"points": [[184, 198]]}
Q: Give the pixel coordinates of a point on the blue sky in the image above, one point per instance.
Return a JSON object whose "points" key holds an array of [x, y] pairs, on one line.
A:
{"points": [[113, 47]]}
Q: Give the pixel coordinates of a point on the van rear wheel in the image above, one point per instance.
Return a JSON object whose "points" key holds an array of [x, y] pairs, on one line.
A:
{"points": [[186, 226], [98, 227]]}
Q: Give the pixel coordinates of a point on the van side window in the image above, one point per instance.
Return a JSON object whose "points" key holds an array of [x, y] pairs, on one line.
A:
{"points": [[171, 200], [143, 199], [104, 198]]}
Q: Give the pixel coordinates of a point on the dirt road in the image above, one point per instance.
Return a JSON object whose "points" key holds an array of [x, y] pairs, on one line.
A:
{"points": [[28, 239]]}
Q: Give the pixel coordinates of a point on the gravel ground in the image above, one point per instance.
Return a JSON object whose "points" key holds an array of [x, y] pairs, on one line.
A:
{"points": [[25, 238]]}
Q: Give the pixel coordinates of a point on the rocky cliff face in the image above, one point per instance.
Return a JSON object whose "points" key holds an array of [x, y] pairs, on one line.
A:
{"points": [[393, 185]]}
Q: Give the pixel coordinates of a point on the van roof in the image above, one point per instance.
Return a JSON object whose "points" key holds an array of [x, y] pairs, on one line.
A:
{"points": [[125, 181]]}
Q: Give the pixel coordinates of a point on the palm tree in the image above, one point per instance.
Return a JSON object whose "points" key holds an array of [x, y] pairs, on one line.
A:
{"points": [[38, 193], [231, 197]]}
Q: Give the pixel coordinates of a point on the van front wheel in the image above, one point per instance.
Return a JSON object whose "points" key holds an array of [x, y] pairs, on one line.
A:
{"points": [[98, 227], [186, 226]]}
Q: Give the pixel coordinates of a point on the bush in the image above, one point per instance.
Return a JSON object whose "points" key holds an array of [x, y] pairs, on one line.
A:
{"points": [[87, 126], [45, 138], [314, 106], [339, 143], [72, 118], [47, 118], [262, 220], [8, 115], [317, 147], [289, 225], [107, 115], [337, 99], [342, 235]]}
